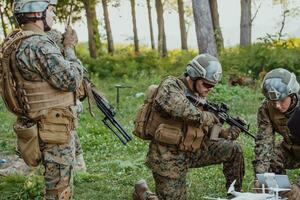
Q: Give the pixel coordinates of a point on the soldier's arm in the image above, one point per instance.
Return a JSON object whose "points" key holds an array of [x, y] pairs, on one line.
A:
{"points": [[171, 100], [264, 144], [64, 73]]}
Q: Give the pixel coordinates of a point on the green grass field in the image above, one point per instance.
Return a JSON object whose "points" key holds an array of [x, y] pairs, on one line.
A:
{"points": [[112, 167]]}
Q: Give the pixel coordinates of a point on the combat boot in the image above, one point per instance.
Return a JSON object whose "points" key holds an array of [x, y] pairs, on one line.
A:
{"points": [[142, 192]]}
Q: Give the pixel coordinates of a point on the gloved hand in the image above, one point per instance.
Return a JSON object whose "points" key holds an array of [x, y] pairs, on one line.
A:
{"points": [[231, 133], [293, 194], [70, 37], [257, 187], [209, 118]]}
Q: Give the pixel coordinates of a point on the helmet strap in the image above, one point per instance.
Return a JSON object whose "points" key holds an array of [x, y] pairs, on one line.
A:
{"points": [[46, 26]]}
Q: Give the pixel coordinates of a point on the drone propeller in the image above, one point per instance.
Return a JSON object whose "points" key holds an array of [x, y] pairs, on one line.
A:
{"points": [[212, 198]]}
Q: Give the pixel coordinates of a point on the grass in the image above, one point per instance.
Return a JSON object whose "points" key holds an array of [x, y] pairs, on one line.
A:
{"points": [[112, 167]]}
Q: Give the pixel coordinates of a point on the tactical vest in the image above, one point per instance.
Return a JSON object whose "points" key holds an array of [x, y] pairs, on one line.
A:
{"points": [[151, 125], [279, 123], [22, 97]]}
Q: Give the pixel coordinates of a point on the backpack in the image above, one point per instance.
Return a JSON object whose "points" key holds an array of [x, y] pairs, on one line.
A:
{"points": [[141, 128]]}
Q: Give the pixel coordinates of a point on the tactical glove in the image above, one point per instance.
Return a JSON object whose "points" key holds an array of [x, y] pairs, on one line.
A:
{"points": [[70, 37], [209, 118], [257, 188], [231, 133]]}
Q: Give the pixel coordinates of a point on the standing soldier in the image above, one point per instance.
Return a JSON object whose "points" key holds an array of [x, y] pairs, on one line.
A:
{"points": [[281, 90], [38, 85], [180, 133]]}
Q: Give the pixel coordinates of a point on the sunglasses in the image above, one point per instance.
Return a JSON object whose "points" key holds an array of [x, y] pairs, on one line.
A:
{"points": [[207, 85]]}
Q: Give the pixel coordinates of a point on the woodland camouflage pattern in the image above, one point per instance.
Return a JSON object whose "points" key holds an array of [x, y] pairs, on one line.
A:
{"points": [[269, 155], [40, 59], [170, 165]]}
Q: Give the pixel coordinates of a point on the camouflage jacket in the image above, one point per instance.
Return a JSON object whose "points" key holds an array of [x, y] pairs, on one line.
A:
{"points": [[171, 102], [40, 59], [265, 138]]}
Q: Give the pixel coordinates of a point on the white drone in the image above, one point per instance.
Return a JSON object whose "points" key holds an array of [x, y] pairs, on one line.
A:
{"points": [[274, 183]]}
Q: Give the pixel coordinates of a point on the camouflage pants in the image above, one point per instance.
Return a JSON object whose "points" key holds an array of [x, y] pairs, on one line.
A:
{"points": [[170, 165], [283, 159], [78, 149], [58, 161]]}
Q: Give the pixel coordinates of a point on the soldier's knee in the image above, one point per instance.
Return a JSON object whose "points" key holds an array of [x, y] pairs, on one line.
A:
{"points": [[237, 149]]}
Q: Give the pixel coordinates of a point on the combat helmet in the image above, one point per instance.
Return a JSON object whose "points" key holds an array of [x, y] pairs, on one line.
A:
{"points": [[30, 6], [279, 83], [206, 67], [21, 7]]}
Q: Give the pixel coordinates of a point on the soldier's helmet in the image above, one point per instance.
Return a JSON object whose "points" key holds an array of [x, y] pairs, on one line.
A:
{"points": [[30, 6], [206, 67], [279, 83]]}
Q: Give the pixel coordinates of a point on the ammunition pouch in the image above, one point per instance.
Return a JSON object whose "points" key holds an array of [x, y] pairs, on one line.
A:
{"points": [[56, 126], [28, 144], [193, 139], [169, 131], [168, 134]]}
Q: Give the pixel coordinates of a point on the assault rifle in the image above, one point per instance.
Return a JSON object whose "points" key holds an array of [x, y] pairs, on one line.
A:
{"points": [[221, 111], [103, 105]]}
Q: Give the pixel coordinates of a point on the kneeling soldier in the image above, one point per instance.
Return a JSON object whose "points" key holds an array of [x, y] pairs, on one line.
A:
{"points": [[180, 133]]}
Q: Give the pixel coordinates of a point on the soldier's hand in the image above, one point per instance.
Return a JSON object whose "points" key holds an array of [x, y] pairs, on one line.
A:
{"points": [[209, 118], [231, 133], [70, 37], [257, 187]]}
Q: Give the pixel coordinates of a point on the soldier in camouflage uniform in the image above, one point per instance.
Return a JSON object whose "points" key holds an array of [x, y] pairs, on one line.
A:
{"points": [[45, 85], [281, 90], [169, 158], [80, 165]]}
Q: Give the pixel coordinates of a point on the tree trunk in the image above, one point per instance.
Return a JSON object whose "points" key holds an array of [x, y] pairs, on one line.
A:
{"points": [[216, 24], [135, 34], [150, 24], [110, 42], [182, 25], [246, 24], [92, 24], [162, 46], [204, 28], [4, 27]]}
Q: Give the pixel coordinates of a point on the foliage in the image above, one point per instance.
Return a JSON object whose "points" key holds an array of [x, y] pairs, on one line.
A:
{"points": [[263, 57]]}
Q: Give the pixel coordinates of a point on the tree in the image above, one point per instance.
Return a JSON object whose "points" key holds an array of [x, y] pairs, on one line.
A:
{"points": [[204, 28], [110, 42], [216, 24], [183, 32], [162, 43], [150, 24], [92, 25], [246, 23], [135, 35]]}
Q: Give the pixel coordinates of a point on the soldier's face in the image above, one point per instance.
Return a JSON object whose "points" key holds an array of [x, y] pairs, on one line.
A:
{"points": [[203, 88], [282, 105], [50, 15]]}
